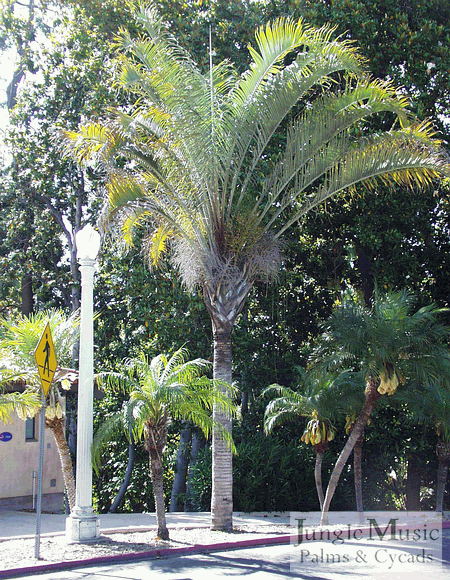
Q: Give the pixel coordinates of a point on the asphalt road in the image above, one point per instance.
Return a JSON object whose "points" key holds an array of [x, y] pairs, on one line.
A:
{"points": [[275, 562]]}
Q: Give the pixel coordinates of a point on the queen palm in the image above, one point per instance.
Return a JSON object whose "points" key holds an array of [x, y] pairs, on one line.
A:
{"points": [[315, 404], [160, 390], [197, 158], [321, 399], [18, 340], [390, 345]]}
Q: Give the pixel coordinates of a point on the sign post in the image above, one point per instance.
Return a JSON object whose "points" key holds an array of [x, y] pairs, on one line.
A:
{"points": [[46, 362]]}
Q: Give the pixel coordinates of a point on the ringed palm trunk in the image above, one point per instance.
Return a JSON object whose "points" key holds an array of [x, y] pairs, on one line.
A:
{"points": [[224, 304], [155, 442], [222, 460], [443, 453], [57, 428], [372, 396]]}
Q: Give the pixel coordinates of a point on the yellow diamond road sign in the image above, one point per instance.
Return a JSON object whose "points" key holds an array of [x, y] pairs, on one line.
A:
{"points": [[46, 359]]}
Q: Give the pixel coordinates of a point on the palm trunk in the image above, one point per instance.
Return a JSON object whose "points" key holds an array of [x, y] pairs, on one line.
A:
{"points": [[318, 477], [413, 481], [57, 428], [357, 472], [156, 472], [155, 438], [442, 473], [224, 303], [443, 453], [372, 396], [222, 461]]}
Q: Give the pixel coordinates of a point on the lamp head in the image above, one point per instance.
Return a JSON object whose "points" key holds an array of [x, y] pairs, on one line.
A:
{"points": [[88, 243]]}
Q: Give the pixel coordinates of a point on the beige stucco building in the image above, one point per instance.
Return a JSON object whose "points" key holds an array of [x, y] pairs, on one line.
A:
{"points": [[19, 464]]}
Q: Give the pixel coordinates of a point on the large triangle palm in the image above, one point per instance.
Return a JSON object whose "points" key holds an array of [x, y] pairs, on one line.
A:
{"points": [[191, 159]]}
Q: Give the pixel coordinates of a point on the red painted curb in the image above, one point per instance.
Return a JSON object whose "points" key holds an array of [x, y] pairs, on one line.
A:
{"points": [[150, 554]]}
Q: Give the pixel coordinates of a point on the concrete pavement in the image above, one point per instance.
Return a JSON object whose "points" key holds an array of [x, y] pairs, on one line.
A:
{"points": [[23, 525], [16, 524]]}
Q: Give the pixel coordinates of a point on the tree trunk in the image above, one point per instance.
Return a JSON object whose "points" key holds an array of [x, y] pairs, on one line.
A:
{"points": [[156, 472], [442, 473], [57, 428], [372, 396], [126, 480], [357, 472], [244, 403], [198, 442], [181, 469], [318, 477], [222, 462], [413, 481], [443, 453], [27, 295], [155, 439], [224, 303]]}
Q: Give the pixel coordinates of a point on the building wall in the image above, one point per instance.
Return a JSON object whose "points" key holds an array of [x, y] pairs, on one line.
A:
{"points": [[19, 459]]}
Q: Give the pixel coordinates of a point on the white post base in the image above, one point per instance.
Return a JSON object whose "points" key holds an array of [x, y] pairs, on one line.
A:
{"points": [[84, 528]]}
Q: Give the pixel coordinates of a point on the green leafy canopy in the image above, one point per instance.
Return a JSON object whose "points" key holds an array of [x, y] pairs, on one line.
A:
{"points": [[196, 157]]}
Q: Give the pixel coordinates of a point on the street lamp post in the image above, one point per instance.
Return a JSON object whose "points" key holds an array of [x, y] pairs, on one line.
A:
{"points": [[83, 525]]}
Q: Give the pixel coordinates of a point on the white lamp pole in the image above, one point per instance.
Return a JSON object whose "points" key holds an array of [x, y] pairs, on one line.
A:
{"points": [[83, 525]]}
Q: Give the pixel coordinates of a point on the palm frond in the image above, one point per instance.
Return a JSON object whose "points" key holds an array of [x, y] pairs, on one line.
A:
{"points": [[386, 341], [25, 404], [189, 161]]}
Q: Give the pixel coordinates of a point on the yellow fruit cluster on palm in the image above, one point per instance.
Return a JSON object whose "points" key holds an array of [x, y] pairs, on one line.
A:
{"points": [[54, 411], [318, 431], [388, 384], [350, 421]]}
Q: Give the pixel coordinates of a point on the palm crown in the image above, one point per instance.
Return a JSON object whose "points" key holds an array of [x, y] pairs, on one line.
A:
{"points": [[387, 342], [18, 340], [160, 390], [197, 144]]}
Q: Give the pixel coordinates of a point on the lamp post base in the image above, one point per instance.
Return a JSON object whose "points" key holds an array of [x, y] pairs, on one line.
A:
{"points": [[81, 527]]}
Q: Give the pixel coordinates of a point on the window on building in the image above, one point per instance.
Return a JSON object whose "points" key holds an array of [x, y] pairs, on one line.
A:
{"points": [[30, 429]]}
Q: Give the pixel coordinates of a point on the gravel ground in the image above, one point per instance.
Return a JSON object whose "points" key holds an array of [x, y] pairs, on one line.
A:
{"points": [[19, 553]]}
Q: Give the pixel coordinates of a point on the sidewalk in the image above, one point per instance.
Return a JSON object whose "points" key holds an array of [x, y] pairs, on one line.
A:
{"points": [[16, 524], [22, 525]]}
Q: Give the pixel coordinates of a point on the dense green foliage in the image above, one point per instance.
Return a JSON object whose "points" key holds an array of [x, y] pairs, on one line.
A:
{"points": [[395, 238]]}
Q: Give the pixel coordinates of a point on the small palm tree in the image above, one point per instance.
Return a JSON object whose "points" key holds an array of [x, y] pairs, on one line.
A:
{"points": [[191, 159], [18, 340], [390, 345], [160, 390], [315, 402]]}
